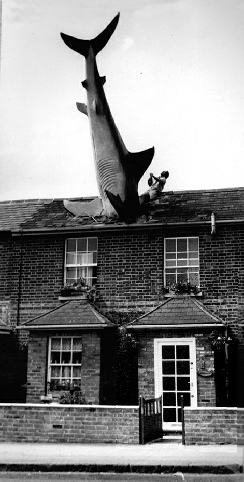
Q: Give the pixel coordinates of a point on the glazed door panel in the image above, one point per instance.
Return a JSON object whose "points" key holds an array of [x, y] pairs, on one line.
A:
{"points": [[175, 375]]}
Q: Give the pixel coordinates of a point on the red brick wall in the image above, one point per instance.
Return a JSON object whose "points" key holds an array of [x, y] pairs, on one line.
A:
{"points": [[130, 271], [205, 386], [77, 424], [38, 361], [211, 425]]}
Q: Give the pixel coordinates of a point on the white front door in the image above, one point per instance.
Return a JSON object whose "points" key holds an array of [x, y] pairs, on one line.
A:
{"points": [[175, 375]]}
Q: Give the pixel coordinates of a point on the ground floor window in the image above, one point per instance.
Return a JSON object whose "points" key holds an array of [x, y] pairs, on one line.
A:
{"points": [[64, 364]]}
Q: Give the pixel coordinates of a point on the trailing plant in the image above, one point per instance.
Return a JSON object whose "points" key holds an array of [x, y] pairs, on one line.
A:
{"points": [[182, 287], [73, 397]]}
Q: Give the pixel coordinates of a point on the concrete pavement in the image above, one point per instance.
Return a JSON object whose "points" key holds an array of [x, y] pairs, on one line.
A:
{"points": [[151, 458]]}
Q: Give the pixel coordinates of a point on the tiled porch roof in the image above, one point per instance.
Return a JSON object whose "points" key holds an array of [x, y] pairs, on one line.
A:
{"points": [[72, 314], [172, 208], [177, 312]]}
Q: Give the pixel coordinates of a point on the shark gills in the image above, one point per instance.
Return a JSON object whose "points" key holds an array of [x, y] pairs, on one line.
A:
{"points": [[118, 171]]}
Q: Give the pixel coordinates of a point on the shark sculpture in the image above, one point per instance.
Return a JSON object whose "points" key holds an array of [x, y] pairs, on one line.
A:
{"points": [[118, 171]]}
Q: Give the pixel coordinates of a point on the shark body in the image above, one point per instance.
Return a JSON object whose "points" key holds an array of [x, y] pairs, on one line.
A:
{"points": [[117, 170]]}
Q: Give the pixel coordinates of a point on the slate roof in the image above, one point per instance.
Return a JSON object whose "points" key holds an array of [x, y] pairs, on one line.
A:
{"points": [[180, 311], [171, 208], [72, 314]]}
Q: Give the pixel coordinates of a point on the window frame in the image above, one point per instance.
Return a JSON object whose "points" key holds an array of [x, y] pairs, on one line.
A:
{"points": [[185, 266], [76, 266], [71, 365]]}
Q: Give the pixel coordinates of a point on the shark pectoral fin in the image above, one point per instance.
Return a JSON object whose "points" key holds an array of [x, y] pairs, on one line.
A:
{"points": [[138, 162], [116, 202], [80, 208], [82, 107]]}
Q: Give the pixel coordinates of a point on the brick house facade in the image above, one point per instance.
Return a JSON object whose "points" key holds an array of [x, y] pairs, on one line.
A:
{"points": [[131, 274]]}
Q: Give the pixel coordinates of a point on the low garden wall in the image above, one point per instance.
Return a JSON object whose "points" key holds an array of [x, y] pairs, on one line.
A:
{"points": [[69, 423], [210, 425]]}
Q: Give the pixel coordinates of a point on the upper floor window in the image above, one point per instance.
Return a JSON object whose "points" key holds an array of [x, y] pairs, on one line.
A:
{"points": [[81, 260], [181, 261]]}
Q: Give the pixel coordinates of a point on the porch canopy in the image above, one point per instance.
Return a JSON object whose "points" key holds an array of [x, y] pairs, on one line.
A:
{"points": [[70, 315], [177, 312]]}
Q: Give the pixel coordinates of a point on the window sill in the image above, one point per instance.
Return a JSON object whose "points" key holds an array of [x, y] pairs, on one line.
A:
{"points": [[185, 295], [78, 296]]}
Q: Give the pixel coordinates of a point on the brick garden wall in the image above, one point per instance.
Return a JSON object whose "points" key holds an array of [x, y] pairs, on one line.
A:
{"points": [[78, 424], [38, 361], [205, 386], [214, 425]]}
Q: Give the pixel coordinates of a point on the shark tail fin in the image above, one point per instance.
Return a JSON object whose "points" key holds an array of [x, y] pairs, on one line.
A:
{"points": [[98, 43]]}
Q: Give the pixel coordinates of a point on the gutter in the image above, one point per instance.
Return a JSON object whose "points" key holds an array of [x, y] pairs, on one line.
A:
{"points": [[175, 326], [61, 327], [124, 227]]}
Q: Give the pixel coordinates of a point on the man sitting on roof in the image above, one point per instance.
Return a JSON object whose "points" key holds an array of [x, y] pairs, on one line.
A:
{"points": [[156, 187]]}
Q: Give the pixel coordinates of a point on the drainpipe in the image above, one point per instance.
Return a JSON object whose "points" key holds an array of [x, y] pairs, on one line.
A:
{"points": [[213, 224], [20, 279]]}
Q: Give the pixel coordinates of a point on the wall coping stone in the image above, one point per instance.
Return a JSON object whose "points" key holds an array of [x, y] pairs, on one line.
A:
{"points": [[194, 409], [64, 405]]}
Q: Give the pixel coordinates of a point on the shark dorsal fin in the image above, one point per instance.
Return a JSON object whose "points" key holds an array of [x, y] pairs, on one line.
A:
{"points": [[138, 162]]}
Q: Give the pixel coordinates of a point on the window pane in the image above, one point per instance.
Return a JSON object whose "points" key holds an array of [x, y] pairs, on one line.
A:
{"points": [[71, 258], [170, 263], [55, 357], [182, 351], [76, 357], [81, 244], [169, 414], [170, 255], [169, 383], [71, 244], [193, 254], [55, 372], [183, 367], [182, 255], [66, 357], [194, 279], [170, 278], [55, 343], [170, 245], [92, 244], [181, 244], [193, 244], [187, 399], [182, 276], [183, 383], [193, 262], [77, 382], [168, 352], [66, 343], [169, 399], [168, 367], [77, 344], [76, 372], [66, 372]]}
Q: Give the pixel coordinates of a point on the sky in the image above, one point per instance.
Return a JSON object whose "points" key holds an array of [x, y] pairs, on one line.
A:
{"points": [[175, 81]]}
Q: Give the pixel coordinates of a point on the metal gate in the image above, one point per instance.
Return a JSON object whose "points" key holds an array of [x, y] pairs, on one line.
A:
{"points": [[150, 419]]}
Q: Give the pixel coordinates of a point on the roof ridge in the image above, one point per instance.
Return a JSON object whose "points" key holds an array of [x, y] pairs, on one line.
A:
{"points": [[149, 312], [206, 311], [47, 313]]}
